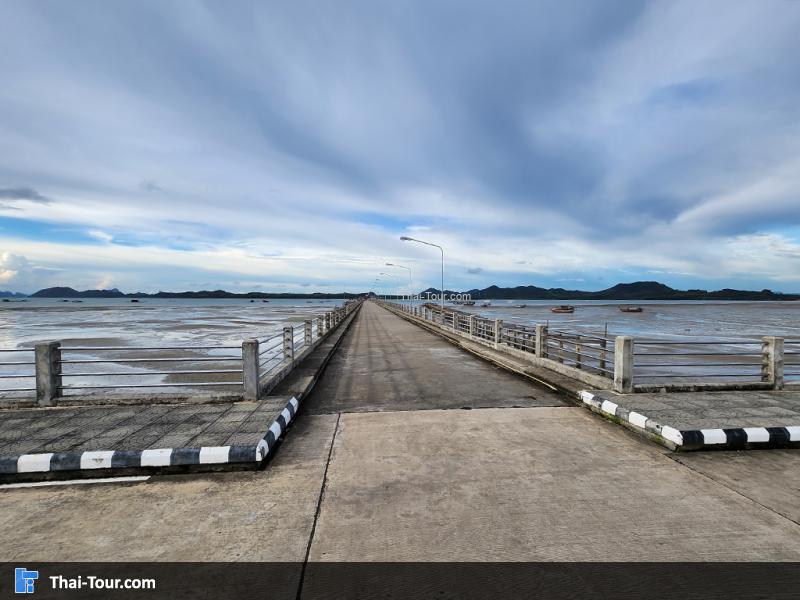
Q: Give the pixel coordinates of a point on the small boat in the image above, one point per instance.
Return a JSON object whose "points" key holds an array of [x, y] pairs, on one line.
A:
{"points": [[486, 305], [564, 308], [520, 305], [630, 309], [265, 300], [134, 300]]}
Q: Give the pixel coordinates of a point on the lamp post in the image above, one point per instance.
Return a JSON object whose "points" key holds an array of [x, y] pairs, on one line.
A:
{"points": [[409, 276], [410, 239]]}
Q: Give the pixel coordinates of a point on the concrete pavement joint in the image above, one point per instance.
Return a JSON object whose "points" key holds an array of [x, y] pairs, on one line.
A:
{"points": [[677, 460], [318, 510]]}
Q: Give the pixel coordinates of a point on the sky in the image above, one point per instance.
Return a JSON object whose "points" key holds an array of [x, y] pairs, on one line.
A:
{"points": [[287, 146]]}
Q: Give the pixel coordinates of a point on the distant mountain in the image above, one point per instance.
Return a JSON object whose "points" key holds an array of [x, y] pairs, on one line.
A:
{"points": [[640, 290], [12, 295], [68, 292]]}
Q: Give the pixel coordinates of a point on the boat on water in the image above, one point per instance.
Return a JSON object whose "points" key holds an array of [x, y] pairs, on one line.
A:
{"points": [[564, 308], [520, 305], [630, 309], [486, 305]]}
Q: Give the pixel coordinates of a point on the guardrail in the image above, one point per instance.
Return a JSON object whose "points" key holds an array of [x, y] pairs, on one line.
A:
{"points": [[51, 371], [687, 360], [791, 362], [17, 370], [628, 365]]}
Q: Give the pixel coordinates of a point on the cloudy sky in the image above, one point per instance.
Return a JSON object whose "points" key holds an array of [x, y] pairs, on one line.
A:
{"points": [[288, 145]]}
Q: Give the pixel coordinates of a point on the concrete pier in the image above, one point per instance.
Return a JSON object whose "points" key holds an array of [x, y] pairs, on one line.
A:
{"points": [[382, 463]]}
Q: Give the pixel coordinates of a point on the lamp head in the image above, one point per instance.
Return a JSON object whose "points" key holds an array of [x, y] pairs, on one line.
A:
{"points": [[404, 238]]}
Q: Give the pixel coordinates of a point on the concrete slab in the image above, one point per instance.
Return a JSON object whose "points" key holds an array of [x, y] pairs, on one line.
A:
{"points": [[387, 363], [528, 484], [245, 516], [770, 478]]}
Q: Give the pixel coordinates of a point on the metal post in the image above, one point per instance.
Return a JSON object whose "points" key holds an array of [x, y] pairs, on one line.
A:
{"points": [[250, 369], [772, 361], [288, 343], [541, 341], [603, 357], [578, 362], [48, 373], [498, 328], [623, 363], [308, 333]]}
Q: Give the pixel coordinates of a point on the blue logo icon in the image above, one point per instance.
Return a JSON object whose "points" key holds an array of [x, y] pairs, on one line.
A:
{"points": [[24, 580]]}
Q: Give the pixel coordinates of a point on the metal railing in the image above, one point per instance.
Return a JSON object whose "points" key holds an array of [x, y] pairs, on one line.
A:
{"points": [[791, 362], [594, 353], [18, 371], [629, 365], [688, 360], [172, 366], [51, 371]]}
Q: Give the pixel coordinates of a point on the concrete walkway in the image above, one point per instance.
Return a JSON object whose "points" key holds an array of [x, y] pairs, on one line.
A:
{"points": [[391, 475], [386, 363]]}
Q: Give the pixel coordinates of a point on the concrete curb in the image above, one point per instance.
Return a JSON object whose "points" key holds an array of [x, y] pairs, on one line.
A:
{"points": [[100, 463], [151, 458], [735, 438]]}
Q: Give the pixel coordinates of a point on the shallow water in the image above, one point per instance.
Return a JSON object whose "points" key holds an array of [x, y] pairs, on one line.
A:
{"points": [[659, 319], [150, 321]]}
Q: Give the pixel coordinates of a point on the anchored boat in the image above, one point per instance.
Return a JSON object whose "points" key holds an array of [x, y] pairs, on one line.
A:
{"points": [[564, 308], [630, 309]]}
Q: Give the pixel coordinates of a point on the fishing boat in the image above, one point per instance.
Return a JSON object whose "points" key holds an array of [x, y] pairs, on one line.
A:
{"points": [[564, 308], [630, 309]]}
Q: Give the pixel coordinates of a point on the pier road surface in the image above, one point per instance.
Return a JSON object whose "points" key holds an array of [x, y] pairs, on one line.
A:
{"points": [[373, 472]]}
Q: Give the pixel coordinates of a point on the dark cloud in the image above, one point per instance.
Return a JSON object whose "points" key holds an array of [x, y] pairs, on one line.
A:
{"points": [[148, 185], [23, 193], [475, 271]]}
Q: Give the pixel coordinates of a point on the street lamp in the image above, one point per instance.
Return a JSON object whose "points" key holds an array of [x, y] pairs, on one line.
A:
{"points": [[409, 276], [410, 239]]}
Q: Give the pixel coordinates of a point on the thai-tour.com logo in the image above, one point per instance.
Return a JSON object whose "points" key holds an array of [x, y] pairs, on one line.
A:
{"points": [[25, 582]]}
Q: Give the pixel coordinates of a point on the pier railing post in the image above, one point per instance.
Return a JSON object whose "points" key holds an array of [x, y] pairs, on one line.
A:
{"points": [[772, 361], [498, 332], [320, 327], [308, 333], [288, 343], [540, 348], [250, 369], [472, 319], [455, 322], [327, 322], [48, 373], [623, 363]]}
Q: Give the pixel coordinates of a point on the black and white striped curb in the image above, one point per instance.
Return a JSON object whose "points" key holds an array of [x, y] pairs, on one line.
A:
{"points": [[734, 438], [156, 457]]}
